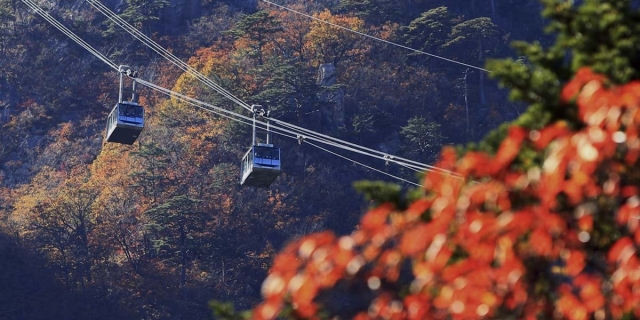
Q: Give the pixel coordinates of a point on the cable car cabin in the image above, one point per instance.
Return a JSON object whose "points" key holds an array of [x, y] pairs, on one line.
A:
{"points": [[125, 122], [260, 165]]}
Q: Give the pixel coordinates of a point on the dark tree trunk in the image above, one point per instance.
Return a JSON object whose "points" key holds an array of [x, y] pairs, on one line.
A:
{"points": [[183, 261], [466, 101], [483, 99], [493, 10]]}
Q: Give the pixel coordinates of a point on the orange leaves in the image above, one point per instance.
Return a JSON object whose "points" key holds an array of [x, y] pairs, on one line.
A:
{"points": [[583, 302], [468, 290], [417, 307], [473, 162], [624, 256], [508, 150], [266, 311], [329, 43], [481, 164], [416, 239], [304, 268], [629, 215], [569, 306], [285, 264], [590, 292], [490, 195], [574, 261], [621, 251], [469, 243], [376, 218], [414, 212], [541, 242], [303, 292], [582, 77], [384, 307], [541, 139], [273, 286]]}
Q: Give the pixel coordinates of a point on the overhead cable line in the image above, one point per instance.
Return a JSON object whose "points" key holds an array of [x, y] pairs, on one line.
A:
{"points": [[206, 109], [344, 144], [366, 166], [45, 15], [376, 38], [279, 130], [230, 114], [165, 53], [296, 134]]}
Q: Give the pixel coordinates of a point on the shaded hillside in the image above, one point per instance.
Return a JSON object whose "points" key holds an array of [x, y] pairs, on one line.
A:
{"points": [[539, 221], [29, 290], [163, 226]]}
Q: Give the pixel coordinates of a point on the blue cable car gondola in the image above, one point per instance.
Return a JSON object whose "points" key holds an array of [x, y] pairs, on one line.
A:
{"points": [[126, 120], [261, 164]]}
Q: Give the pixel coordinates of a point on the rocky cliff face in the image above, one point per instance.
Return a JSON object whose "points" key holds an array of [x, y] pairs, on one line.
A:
{"points": [[247, 6], [332, 96], [177, 16]]}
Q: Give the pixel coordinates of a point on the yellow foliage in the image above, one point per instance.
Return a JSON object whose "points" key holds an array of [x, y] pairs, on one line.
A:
{"points": [[328, 43]]}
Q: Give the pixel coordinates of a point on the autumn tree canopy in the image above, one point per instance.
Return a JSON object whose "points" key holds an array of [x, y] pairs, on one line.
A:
{"points": [[541, 221], [493, 238], [158, 229]]}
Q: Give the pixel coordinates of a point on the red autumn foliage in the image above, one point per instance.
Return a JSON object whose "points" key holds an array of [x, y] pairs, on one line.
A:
{"points": [[496, 237]]}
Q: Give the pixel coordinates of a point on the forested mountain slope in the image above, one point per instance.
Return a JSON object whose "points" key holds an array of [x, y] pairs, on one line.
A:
{"points": [[162, 227], [539, 220]]}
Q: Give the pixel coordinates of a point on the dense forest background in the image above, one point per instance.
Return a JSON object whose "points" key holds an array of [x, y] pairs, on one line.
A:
{"points": [[158, 229]]}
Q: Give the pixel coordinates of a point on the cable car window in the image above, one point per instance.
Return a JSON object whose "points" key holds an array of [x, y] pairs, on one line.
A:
{"points": [[267, 153], [130, 113], [248, 161], [125, 122]]}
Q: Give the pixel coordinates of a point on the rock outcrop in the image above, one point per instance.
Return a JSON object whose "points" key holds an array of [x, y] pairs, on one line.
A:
{"points": [[332, 96]]}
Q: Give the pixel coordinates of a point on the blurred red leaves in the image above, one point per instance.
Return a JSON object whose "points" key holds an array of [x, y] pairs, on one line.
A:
{"points": [[554, 239]]}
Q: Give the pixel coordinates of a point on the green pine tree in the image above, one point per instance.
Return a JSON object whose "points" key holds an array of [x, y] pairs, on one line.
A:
{"points": [[422, 139], [602, 35], [257, 29], [139, 13]]}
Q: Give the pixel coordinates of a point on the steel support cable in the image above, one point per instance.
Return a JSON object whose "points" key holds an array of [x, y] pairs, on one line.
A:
{"points": [[206, 109], [366, 166], [78, 40], [68, 33], [275, 129], [375, 38], [279, 130], [164, 53], [386, 156], [347, 148], [414, 165], [382, 156], [339, 142], [45, 15], [211, 110]]}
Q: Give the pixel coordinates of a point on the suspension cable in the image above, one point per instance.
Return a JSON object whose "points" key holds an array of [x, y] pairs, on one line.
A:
{"points": [[165, 53], [240, 120], [280, 130], [375, 38], [366, 166], [160, 50], [45, 15], [293, 132], [346, 143]]}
